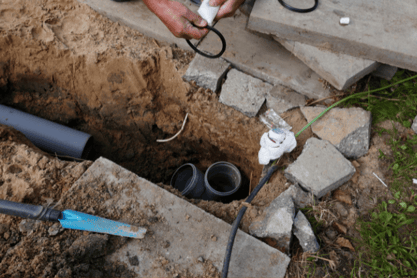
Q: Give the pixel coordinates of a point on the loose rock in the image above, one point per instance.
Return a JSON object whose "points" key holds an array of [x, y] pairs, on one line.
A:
{"points": [[320, 168], [300, 198], [340, 209], [305, 234], [331, 233], [88, 247], [342, 196], [134, 260], [282, 99], [3, 228], [55, 229], [339, 227], [348, 129], [28, 225]]}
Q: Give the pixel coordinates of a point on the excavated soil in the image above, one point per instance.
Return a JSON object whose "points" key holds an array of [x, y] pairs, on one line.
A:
{"points": [[61, 61]]}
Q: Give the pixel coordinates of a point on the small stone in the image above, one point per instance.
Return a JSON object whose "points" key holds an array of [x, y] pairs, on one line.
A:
{"points": [[3, 229], [244, 93], [342, 196], [134, 260], [213, 238], [340, 209], [200, 259], [28, 225], [55, 229], [331, 233], [6, 235], [305, 234], [320, 168], [414, 125], [355, 164], [43, 162], [339, 227]]}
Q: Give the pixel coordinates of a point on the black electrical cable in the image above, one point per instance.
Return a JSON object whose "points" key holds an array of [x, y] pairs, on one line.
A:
{"points": [[291, 8], [207, 55], [239, 217]]}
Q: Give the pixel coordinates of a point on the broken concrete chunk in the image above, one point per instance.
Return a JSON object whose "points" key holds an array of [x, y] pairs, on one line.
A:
{"points": [[300, 198], [320, 168], [207, 73], [28, 225], [414, 126], [338, 69], [277, 222], [305, 234], [244, 92], [348, 129], [385, 71], [282, 99]]}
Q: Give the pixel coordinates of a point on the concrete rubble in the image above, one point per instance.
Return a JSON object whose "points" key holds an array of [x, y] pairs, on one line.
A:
{"points": [[176, 220], [207, 73], [348, 129], [414, 125], [244, 93], [385, 71], [282, 99], [320, 168], [300, 198], [338, 69], [277, 222], [305, 234]]}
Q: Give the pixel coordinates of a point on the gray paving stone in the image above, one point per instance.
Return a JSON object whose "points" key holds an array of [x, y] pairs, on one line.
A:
{"points": [[244, 92], [320, 168], [348, 129], [385, 71], [414, 125], [377, 31], [277, 222], [180, 235], [305, 234], [300, 198], [338, 69], [282, 99], [207, 73], [263, 57]]}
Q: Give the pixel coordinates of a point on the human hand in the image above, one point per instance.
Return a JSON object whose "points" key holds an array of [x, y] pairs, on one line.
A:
{"points": [[178, 18], [227, 7]]}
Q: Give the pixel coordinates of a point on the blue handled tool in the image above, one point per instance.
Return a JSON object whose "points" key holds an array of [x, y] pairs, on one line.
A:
{"points": [[71, 219]]}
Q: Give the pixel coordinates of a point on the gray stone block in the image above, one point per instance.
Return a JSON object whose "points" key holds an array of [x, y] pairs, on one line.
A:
{"points": [[244, 92], [348, 129], [277, 222], [320, 168], [305, 234], [207, 73], [385, 71], [338, 69], [282, 99], [414, 125], [300, 198], [181, 232], [377, 31]]}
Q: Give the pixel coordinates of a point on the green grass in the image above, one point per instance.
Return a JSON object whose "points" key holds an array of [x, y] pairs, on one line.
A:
{"points": [[389, 235]]}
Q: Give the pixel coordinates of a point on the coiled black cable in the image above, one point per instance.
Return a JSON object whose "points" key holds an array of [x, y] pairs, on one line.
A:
{"points": [[291, 8], [205, 54], [239, 217]]}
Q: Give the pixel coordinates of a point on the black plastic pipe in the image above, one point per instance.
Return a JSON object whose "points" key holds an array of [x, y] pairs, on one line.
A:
{"points": [[239, 217], [29, 211], [47, 135]]}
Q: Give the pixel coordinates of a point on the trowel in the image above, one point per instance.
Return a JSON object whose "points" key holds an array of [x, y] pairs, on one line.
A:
{"points": [[71, 219]]}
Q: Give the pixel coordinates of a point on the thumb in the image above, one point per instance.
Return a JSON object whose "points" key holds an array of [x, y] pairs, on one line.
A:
{"points": [[196, 19], [216, 3]]}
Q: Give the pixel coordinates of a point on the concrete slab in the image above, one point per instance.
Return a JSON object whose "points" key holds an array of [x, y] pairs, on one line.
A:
{"points": [[136, 15], [180, 235], [263, 58], [305, 234], [320, 168], [377, 31], [207, 73], [385, 71], [244, 92], [282, 99], [348, 129], [340, 70]]}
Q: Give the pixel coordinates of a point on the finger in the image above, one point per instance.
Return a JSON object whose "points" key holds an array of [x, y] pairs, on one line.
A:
{"points": [[191, 32], [216, 3], [226, 10], [195, 18]]}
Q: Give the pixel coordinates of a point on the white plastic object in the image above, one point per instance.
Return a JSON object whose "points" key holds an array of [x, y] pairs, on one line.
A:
{"points": [[415, 181], [344, 20], [208, 12], [275, 143]]}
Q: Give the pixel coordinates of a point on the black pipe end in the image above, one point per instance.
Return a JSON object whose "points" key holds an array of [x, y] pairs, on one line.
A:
{"points": [[88, 148]]}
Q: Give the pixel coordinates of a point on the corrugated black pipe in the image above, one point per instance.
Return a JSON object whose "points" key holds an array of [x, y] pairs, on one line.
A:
{"points": [[47, 135], [29, 211], [239, 217]]}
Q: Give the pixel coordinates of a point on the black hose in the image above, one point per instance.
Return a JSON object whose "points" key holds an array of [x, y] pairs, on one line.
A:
{"points": [[29, 211], [239, 217], [207, 55], [291, 8]]}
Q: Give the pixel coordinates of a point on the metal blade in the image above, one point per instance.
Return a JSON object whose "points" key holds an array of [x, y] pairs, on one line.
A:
{"points": [[81, 221]]}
